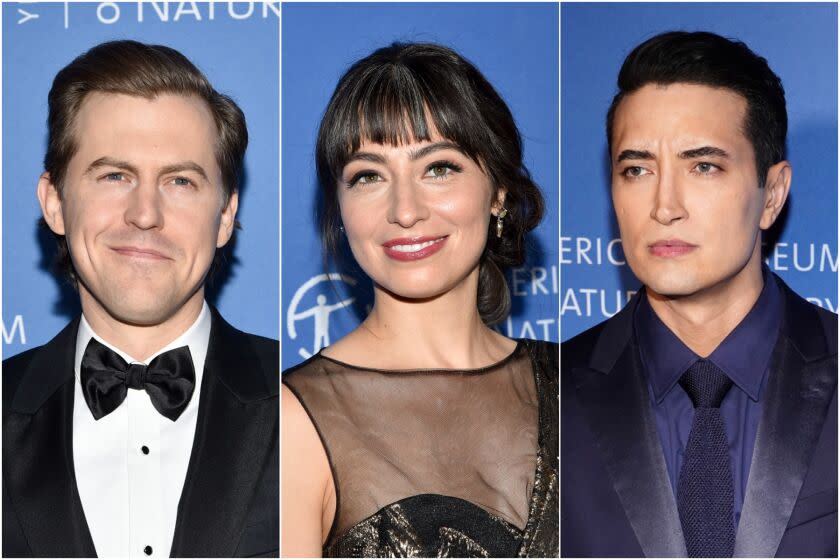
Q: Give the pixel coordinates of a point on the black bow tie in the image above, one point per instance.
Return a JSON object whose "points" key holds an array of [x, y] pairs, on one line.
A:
{"points": [[169, 380]]}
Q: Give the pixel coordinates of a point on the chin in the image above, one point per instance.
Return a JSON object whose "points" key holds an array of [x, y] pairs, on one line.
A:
{"points": [[674, 284], [141, 314], [417, 286]]}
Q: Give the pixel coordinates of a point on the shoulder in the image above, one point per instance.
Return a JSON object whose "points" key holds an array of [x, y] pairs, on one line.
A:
{"points": [[267, 349], [247, 363], [14, 369], [577, 351], [828, 322], [29, 378], [811, 328], [545, 356], [312, 365]]}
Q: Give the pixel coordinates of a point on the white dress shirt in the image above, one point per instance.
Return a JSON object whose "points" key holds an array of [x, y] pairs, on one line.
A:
{"points": [[131, 464]]}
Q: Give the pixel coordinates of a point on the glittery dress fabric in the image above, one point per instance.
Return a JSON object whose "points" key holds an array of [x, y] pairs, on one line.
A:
{"points": [[439, 463]]}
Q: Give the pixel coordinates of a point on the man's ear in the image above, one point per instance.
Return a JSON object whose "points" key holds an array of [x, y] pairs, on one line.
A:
{"points": [[776, 190], [228, 220], [50, 203], [499, 203]]}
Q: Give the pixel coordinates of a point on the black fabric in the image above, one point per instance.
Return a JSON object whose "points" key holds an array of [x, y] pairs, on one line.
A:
{"points": [[439, 462], [616, 496], [705, 495], [230, 502], [106, 377]]}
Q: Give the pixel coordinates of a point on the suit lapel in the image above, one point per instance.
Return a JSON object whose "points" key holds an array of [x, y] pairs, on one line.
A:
{"points": [[237, 421], [38, 430], [614, 396], [802, 381]]}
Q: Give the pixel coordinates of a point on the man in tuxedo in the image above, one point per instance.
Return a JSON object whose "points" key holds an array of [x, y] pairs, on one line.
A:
{"points": [[149, 425], [701, 420]]}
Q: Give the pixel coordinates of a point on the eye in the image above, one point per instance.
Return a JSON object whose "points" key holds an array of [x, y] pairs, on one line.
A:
{"points": [[114, 177], [442, 169], [634, 171], [182, 182], [706, 168], [364, 178]]}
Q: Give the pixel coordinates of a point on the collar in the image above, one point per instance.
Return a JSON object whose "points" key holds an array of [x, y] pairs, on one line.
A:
{"points": [[196, 337], [743, 355]]}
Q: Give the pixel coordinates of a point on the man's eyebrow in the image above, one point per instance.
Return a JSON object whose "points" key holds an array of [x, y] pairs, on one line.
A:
{"points": [[171, 168], [705, 151], [431, 148], [634, 154], [111, 162], [184, 166]]}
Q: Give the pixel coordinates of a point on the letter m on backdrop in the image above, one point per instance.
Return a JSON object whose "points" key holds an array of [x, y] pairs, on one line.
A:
{"points": [[17, 328]]}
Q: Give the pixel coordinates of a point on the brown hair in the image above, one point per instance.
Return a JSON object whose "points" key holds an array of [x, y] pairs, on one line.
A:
{"points": [[137, 69], [385, 98]]}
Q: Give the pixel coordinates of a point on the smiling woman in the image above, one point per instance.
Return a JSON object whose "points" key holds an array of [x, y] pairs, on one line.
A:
{"points": [[423, 432]]}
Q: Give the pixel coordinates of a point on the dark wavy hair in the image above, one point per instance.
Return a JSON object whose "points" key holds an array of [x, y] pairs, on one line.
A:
{"points": [[707, 59], [386, 97], [137, 69]]}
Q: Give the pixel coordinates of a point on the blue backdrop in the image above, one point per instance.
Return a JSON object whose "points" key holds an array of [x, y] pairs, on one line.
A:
{"points": [[799, 42], [236, 45], [514, 45]]}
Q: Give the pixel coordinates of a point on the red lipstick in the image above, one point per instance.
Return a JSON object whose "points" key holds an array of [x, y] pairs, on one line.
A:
{"points": [[413, 248], [671, 248]]}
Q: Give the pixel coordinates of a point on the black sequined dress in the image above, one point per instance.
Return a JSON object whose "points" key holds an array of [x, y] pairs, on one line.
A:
{"points": [[439, 463]]}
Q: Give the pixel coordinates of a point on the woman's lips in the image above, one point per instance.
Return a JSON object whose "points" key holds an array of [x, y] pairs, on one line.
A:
{"points": [[671, 248], [412, 249]]}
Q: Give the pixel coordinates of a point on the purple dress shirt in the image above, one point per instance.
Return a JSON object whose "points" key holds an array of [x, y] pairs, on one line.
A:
{"points": [[744, 355]]}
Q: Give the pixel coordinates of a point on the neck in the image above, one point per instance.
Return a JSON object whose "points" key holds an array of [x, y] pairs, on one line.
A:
{"points": [[703, 319], [444, 331], [139, 341]]}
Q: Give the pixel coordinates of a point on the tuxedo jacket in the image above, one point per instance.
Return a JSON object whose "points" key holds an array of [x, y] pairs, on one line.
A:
{"points": [[616, 496], [229, 505]]}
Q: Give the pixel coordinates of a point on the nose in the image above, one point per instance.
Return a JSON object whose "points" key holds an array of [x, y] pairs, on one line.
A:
{"points": [[406, 204], [143, 207], [668, 206]]}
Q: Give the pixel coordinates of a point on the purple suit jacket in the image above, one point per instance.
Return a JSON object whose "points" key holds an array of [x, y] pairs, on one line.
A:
{"points": [[616, 497]]}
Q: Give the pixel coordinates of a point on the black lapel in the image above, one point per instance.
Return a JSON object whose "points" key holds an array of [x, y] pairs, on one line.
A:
{"points": [[614, 396], [803, 376], [237, 423], [38, 453]]}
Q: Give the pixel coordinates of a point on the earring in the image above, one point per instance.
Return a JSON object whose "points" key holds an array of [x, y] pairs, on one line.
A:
{"points": [[500, 217]]}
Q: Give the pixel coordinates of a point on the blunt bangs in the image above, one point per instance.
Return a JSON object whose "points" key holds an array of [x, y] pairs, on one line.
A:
{"points": [[400, 103]]}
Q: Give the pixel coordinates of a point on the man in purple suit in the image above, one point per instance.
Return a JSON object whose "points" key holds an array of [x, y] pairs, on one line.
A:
{"points": [[701, 420]]}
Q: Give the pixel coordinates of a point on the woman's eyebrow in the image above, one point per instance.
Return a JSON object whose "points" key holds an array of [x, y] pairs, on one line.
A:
{"points": [[426, 150], [366, 156], [413, 155]]}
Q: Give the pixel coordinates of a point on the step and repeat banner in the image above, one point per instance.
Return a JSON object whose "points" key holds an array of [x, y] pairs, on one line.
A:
{"points": [[799, 42], [515, 45], [236, 45]]}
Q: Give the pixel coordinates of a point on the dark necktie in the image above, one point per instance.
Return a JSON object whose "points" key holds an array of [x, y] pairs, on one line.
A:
{"points": [[169, 380], [705, 496]]}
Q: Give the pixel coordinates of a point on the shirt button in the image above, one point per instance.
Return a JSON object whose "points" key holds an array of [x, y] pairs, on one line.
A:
{"points": [[148, 550], [145, 451]]}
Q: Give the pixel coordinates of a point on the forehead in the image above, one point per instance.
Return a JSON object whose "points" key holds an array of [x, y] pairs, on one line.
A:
{"points": [[138, 129], [679, 114]]}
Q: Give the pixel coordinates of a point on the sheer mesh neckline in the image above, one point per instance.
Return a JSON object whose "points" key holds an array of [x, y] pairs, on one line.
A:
{"points": [[447, 436], [469, 371]]}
